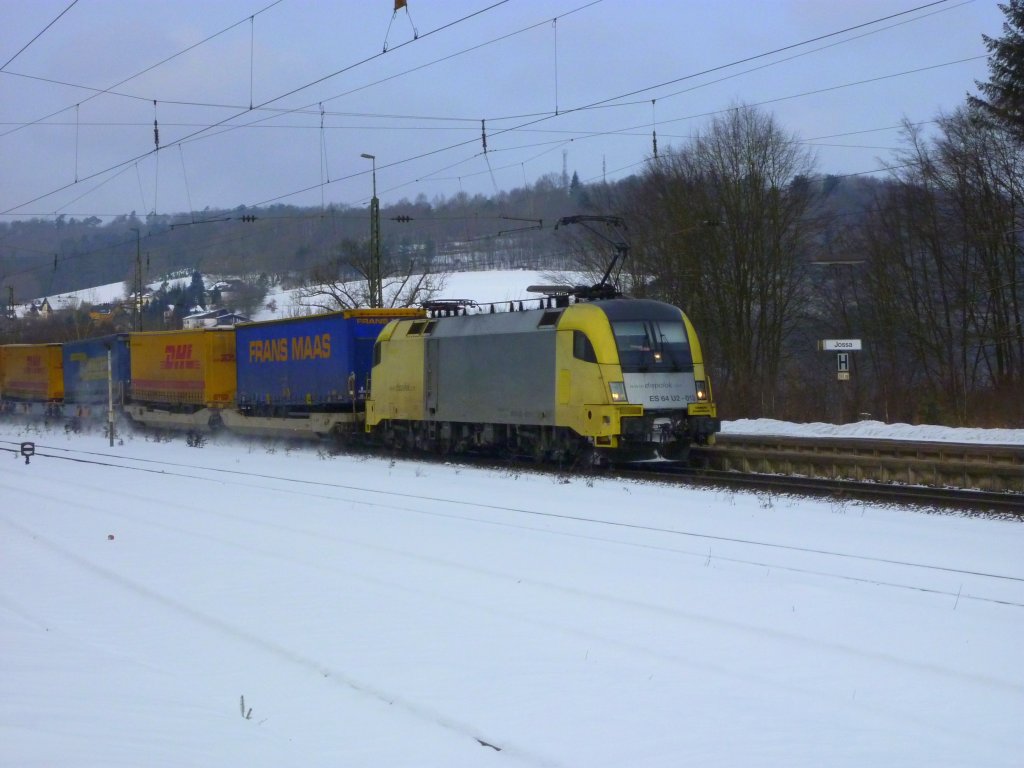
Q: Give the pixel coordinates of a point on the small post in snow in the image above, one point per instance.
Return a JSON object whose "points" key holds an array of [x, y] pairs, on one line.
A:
{"points": [[110, 395]]}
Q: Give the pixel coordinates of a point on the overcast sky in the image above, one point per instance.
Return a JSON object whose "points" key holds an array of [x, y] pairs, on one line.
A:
{"points": [[64, 148]]}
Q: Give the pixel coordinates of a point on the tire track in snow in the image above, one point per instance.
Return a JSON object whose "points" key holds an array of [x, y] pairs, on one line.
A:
{"points": [[731, 625], [619, 524], [573, 630], [874, 581], [589, 635], [338, 677], [575, 592]]}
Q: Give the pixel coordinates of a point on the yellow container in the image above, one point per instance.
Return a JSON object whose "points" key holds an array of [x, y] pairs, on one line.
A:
{"points": [[32, 372], [184, 368]]}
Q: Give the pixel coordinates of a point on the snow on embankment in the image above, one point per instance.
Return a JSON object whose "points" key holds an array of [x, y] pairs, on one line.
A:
{"points": [[876, 430]]}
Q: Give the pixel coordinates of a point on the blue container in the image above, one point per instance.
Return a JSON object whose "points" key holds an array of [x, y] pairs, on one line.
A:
{"points": [[315, 363], [85, 369]]}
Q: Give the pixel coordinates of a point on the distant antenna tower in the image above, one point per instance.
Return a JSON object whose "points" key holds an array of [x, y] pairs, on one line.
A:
{"points": [[604, 170], [565, 169]]}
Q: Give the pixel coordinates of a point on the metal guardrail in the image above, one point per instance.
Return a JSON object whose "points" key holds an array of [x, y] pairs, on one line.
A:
{"points": [[998, 468]]}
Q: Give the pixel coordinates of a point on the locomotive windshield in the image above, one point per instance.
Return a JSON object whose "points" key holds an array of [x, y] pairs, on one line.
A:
{"points": [[652, 345]]}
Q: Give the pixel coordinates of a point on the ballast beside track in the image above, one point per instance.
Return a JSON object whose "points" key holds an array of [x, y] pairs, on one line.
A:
{"points": [[996, 469], [986, 503]]}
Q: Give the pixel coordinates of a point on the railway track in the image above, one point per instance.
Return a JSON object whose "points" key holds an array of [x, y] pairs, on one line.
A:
{"points": [[965, 476], [953, 499], [988, 503], [974, 478]]}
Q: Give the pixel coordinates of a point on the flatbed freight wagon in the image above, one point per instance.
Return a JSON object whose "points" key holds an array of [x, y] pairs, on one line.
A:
{"points": [[309, 375], [181, 378]]}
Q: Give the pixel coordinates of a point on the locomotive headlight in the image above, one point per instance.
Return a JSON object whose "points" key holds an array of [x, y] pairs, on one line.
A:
{"points": [[702, 390], [618, 391]]}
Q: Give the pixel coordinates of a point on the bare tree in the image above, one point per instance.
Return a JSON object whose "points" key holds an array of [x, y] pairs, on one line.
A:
{"points": [[946, 273], [722, 230], [345, 282]]}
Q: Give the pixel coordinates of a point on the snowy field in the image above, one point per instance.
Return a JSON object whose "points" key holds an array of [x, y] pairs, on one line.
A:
{"points": [[377, 613]]}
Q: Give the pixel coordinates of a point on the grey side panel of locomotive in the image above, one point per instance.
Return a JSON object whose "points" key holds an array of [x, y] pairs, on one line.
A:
{"points": [[496, 369]]}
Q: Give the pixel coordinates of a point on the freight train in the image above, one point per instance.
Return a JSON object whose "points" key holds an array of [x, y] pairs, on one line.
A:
{"points": [[565, 379]]}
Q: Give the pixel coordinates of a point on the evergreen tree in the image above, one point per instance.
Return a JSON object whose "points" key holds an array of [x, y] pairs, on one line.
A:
{"points": [[1004, 90], [196, 289]]}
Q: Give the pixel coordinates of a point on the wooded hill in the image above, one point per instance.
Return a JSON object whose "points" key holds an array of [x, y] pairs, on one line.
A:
{"points": [[44, 257]]}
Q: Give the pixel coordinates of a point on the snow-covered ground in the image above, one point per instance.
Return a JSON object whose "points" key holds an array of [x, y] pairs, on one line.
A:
{"points": [[393, 613], [100, 294], [876, 430]]}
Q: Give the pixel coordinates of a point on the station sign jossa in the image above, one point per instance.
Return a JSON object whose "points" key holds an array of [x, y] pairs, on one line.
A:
{"points": [[839, 345]]}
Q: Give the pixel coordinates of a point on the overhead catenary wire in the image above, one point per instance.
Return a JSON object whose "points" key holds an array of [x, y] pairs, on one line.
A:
{"points": [[150, 68], [303, 109], [156, 159], [554, 33], [38, 35], [219, 123], [654, 128], [313, 108], [637, 127], [547, 116], [142, 193], [252, 54], [184, 176], [491, 168], [575, 133], [744, 59]]}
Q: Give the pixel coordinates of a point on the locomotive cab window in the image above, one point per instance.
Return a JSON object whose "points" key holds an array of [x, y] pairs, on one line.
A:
{"points": [[415, 329], [376, 353], [652, 345], [582, 349]]}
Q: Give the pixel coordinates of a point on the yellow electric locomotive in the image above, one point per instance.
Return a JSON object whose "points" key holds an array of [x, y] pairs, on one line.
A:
{"points": [[616, 378]]}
